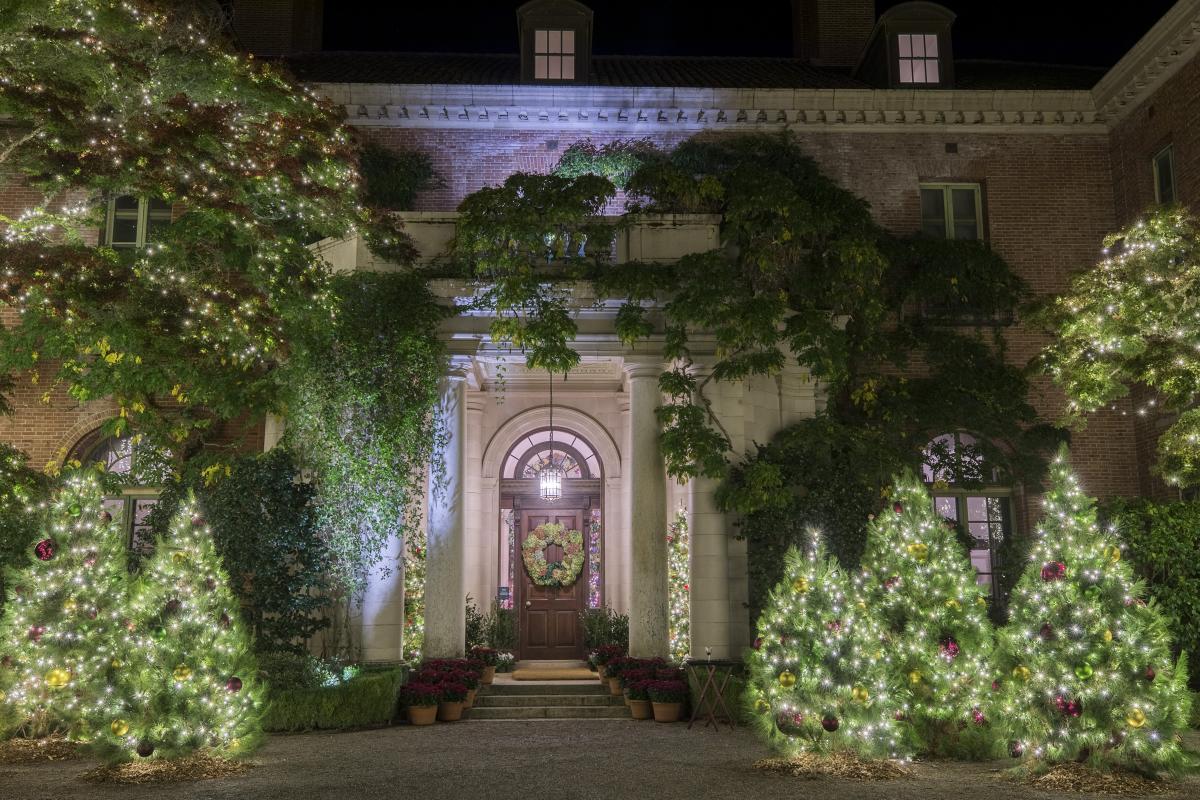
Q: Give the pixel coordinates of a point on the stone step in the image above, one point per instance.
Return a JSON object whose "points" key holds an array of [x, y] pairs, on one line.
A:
{"points": [[548, 712], [523, 700], [530, 687]]}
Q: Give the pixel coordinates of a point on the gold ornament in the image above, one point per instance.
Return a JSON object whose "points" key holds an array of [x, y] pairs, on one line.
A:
{"points": [[179, 557], [915, 677], [979, 601], [182, 672], [800, 585], [787, 680], [761, 706], [119, 727], [1136, 718], [1113, 553], [117, 663], [862, 606], [878, 654], [860, 694], [953, 604], [234, 744], [1107, 635], [919, 551], [57, 678], [1022, 672], [70, 606]]}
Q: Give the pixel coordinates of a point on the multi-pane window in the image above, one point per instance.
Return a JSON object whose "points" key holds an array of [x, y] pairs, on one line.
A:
{"points": [[134, 221], [1164, 175], [987, 518], [131, 508], [952, 210], [918, 53], [554, 55]]}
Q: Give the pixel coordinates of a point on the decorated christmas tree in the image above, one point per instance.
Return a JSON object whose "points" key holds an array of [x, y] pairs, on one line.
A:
{"points": [[64, 616], [190, 680], [679, 588], [933, 612], [818, 668], [1085, 664]]}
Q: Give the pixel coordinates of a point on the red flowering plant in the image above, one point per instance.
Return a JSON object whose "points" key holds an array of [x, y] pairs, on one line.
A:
{"points": [[421, 694], [668, 673], [635, 674], [454, 691], [638, 690], [667, 691], [487, 656], [606, 653], [468, 677]]}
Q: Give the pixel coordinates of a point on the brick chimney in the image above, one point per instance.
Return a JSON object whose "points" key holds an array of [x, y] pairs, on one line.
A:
{"points": [[831, 33], [277, 27]]}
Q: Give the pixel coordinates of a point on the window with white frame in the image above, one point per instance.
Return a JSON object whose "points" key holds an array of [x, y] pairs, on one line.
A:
{"points": [[554, 55], [952, 210], [1163, 165], [918, 54], [133, 221]]}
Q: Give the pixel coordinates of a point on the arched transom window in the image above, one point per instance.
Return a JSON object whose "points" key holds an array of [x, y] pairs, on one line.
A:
{"points": [[572, 453]]}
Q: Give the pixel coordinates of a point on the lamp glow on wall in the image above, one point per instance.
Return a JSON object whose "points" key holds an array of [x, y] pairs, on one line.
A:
{"points": [[550, 477]]}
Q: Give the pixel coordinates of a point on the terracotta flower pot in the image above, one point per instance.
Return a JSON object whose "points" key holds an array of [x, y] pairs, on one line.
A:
{"points": [[470, 701], [640, 709], [614, 687], [450, 711], [667, 712], [489, 675], [422, 715]]}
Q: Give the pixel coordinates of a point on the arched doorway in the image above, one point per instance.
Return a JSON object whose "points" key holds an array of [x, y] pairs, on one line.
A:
{"points": [[548, 622]]}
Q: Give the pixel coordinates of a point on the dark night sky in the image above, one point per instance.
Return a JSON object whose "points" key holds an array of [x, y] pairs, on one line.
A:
{"points": [[1050, 31]]}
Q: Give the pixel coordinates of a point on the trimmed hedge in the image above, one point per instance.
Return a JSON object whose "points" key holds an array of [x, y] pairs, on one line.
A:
{"points": [[371, 698]]}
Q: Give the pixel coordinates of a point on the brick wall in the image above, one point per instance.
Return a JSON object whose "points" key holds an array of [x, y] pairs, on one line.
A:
{"points": [[1169, 116], [832, 33]]}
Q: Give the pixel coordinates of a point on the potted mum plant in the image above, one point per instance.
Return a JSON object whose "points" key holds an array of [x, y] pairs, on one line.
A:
{"points": [[637, 696], [454, 694], [469, 677], [603, 655], [489, 658], [421, 700], [613, 672], [667, 698]]}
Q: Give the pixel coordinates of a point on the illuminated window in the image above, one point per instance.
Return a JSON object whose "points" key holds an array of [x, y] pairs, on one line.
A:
{"points": [[132, 222], [1164, 175], [554, 55], [918, 58], [141, 470], [952, 210]]}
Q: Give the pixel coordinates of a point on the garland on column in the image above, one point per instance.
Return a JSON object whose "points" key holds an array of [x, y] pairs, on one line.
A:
{"points": [[679, 576], [414, 598]]}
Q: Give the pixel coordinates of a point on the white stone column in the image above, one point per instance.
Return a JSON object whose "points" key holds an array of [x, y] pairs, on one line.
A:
{"points": [[647, 517], [477, 562], [445, 607]]}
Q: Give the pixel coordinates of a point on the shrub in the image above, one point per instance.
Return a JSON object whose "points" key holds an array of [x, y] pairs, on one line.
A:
{"points": [[1162, 540], [606, 654], [454, 692], [296, 671], [603, 626], [638, 690], [369, 699]]}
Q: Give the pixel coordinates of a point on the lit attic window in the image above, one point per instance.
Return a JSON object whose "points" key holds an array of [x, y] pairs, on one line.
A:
{"points": [[918, 53]]}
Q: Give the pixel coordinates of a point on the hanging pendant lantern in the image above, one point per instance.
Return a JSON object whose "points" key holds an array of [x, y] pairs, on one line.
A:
{"points": [[550, 477]]}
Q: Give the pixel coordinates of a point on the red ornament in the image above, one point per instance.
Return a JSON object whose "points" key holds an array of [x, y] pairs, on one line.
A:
{"points": [[233, 685], [1150, 673], [44, 549], [978, 716], [687, 588], [145, 749], [1047, 632], [197, 520], [900, 716], [1074, 708], [830, 723], [948, 648], [1053, 571], [35, 632], [758, 643], [898, 507]]}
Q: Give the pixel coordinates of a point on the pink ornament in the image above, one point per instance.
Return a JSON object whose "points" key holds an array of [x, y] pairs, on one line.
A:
{"points": [[44, 549], [898, 507], [948, 648], [834, 625], [891, 582], [233, 685], [978, 716], [35, 632]]}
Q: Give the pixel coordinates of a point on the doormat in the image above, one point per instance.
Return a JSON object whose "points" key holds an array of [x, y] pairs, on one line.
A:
{"points": [[552, 674]]}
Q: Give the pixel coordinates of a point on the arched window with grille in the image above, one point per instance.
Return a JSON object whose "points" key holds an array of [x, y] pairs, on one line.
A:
{"points": [[140, 471], [967, 491]]}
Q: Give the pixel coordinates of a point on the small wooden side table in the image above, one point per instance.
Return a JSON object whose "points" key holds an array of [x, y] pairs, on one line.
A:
{"points": [[707, 672]]}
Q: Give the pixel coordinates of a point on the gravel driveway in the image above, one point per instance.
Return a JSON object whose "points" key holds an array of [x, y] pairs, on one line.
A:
{"points": [[523, 760]]}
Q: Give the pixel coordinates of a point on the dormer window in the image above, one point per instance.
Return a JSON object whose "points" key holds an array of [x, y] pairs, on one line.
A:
{"points": [[555, 40], [918, 58], [554, 55]]}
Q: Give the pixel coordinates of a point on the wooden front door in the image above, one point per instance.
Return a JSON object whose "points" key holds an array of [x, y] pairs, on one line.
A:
{"points": [[549, 625]]}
